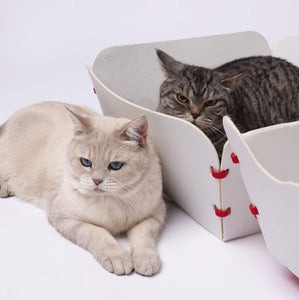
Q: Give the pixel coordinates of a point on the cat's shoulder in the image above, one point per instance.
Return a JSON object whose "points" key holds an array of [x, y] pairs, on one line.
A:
{"points": [[257, 61]]}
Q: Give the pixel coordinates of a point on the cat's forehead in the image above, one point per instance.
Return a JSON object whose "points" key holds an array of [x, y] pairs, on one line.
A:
{"points": [[194, 81], [198, 75], [107, 126], [106, 132]]}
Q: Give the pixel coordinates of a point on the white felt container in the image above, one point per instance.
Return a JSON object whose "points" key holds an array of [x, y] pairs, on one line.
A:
{"points": [[271, 177], [126, 80]]}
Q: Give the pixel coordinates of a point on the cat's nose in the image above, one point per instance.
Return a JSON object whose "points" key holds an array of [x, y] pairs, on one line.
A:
{"points": [[97, 181], [195, 115]]}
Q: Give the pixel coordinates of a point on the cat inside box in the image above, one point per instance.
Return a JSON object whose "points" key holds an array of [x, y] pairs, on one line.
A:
{"points": [[254, 92]]}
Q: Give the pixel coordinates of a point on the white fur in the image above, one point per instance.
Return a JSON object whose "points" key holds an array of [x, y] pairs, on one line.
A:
{"points": [[40, 150]]}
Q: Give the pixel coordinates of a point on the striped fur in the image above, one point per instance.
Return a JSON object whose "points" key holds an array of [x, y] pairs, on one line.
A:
{"points": [[254, 91]]}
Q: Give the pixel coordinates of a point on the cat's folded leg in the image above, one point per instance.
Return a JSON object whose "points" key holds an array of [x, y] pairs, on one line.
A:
{"points": [[4, 190], [98, 241], [143, 237]]}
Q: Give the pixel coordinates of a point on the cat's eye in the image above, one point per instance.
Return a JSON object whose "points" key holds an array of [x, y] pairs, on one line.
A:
{"points": [[211, 102], [85, 162], [182, 98], [115, 165]]}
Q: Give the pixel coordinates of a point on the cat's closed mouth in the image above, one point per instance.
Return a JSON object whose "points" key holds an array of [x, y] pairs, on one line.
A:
{"points": [[98, 190]]}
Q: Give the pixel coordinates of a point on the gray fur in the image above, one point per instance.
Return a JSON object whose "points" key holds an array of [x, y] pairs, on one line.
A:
{"points": [[254, 91]]}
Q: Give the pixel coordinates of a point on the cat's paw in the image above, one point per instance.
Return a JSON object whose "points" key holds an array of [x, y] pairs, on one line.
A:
{"points": [[4, 192], [146, 261], [116, 260]]}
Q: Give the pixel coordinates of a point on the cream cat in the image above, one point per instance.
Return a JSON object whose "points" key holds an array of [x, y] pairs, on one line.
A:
{"points": [[94, 176]]}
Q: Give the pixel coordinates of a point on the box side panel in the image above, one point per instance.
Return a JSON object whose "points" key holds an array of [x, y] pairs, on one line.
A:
{"points": [[276, 201], [234, 195], [134, 72], [276, 148], [186, 156]]}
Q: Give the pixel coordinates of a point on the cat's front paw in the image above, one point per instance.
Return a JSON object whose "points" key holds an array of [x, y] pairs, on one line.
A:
{"points": [[146, 261], [4, 192], [116, 260]]}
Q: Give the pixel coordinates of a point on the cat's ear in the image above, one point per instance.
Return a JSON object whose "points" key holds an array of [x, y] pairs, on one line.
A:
{"points": [[136, 131], [81, 124], [169, 64], [231, 83]]}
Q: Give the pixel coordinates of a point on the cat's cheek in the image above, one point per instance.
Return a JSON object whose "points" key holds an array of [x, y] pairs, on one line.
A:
{"points": [[199, 124], [190, 119]]}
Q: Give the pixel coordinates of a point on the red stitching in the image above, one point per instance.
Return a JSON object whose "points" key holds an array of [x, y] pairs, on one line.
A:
{"points": [[220, 174], [94, 90], [222, 213], [234, 158], [253, 210]]}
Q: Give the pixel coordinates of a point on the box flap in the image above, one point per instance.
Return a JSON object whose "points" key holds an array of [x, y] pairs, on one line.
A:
{"points": [[288, 49]]}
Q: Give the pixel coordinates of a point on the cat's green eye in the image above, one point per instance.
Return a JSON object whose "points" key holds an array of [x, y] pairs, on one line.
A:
{"points": [[211, 102], [182, 98], [85, 162]]}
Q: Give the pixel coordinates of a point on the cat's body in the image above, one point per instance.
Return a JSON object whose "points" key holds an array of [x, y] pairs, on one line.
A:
{"points": [[94, 176], [255, 92]]}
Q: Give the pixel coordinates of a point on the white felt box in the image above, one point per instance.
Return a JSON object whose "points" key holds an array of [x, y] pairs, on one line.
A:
{"points": [[271, 176], [126, 80]]}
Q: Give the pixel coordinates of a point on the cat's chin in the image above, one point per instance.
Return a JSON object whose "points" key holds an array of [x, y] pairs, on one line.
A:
{"points": [[91, 192], [98, 191]]}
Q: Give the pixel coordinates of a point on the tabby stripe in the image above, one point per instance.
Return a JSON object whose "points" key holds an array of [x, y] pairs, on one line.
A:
{"points": [[167, 93], [291, 91]]}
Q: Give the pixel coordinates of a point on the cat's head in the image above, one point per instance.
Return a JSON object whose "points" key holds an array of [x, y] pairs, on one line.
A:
{"points": [[107, 156], [196, 94]]}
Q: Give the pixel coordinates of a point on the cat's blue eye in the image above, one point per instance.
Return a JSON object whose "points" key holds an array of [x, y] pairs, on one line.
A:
{"points": [[85, 162], [115, 165]]}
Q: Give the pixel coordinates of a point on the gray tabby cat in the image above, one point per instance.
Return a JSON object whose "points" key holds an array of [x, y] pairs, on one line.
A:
{"points": [[94, 176], [254, 92]]}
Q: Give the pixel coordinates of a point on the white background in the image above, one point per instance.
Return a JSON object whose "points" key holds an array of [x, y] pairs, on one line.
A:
{"points": [[43, 45]]}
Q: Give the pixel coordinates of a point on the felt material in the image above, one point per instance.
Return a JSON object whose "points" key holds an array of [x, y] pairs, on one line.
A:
{"points": [[222, 213], [234, 158], [276, 199], [253, 210], [288, 49], [219, 174]]}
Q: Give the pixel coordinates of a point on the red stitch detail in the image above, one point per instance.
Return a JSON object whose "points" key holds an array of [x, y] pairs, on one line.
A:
{"points": [[234, 158], [222, 213], [94, 90], [253, 210], [220, 174]]}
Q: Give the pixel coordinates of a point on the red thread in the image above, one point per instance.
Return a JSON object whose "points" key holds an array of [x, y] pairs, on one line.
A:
{"points": [[253, 210], [220, 174], [234, 158], [94, 90], [222, 213]]}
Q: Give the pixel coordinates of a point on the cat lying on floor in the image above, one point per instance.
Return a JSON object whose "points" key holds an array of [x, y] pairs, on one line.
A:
{"points": [[94, 176]]}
